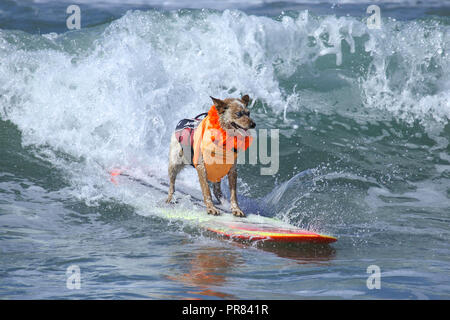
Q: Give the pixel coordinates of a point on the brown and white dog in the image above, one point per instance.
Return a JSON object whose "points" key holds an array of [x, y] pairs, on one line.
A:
{"points": [[231, 115]]}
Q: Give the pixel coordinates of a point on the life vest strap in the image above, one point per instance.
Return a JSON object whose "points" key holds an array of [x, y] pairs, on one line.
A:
{"points": [[204, 114]]}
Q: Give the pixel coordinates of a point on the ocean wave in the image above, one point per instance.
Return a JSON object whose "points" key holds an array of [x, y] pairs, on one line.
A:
{"points": [[112, 94]]}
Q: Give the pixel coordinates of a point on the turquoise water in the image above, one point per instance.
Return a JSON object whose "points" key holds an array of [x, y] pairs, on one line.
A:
{"points": [[364, 128]]}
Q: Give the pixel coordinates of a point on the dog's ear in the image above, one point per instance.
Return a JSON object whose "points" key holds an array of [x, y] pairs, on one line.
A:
{"points": [[220, 105], [246, 99]]}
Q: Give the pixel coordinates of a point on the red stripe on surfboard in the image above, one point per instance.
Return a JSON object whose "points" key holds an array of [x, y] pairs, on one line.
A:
{"points": [[313, 238]]}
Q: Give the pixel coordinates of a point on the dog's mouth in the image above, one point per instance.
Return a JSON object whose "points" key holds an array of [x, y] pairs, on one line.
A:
{"points": [[242, 131], [238, 127]]}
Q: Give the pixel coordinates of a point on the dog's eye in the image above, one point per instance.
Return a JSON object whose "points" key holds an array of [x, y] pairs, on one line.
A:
{"points": [[242, 113]]}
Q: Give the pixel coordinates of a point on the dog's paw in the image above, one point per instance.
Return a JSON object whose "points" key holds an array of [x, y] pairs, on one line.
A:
{"points": [[237, 212], [171, 200], [213, 210]]}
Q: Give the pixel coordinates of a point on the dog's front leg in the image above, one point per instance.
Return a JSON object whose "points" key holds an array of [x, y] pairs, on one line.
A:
{"points": [[202, 178], [232, 181]]}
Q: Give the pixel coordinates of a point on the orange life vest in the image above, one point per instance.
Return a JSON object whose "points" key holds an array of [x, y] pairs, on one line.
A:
{"points": [[218, 147]]}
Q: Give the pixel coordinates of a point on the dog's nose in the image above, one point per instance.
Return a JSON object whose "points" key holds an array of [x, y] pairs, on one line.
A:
{"points": [[252, 125]]}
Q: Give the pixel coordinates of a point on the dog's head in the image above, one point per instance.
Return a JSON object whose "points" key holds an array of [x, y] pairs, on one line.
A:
{"points": [[233, 113]]}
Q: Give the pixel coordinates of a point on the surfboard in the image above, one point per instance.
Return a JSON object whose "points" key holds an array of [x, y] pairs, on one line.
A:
{"points": [[253, 227]]}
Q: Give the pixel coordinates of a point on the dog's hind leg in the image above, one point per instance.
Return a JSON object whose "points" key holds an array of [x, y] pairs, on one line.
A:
{"points": [[176, 164], [173, 171]]}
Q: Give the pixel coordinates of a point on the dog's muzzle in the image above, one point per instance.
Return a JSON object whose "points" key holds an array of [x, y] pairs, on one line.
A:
{"points": [[236, 126]]}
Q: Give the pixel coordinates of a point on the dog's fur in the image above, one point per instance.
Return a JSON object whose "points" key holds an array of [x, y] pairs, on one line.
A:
{"points": [[228, 110]]}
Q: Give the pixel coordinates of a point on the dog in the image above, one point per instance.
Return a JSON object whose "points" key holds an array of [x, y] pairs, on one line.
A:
{"points": [[211, 147]]}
